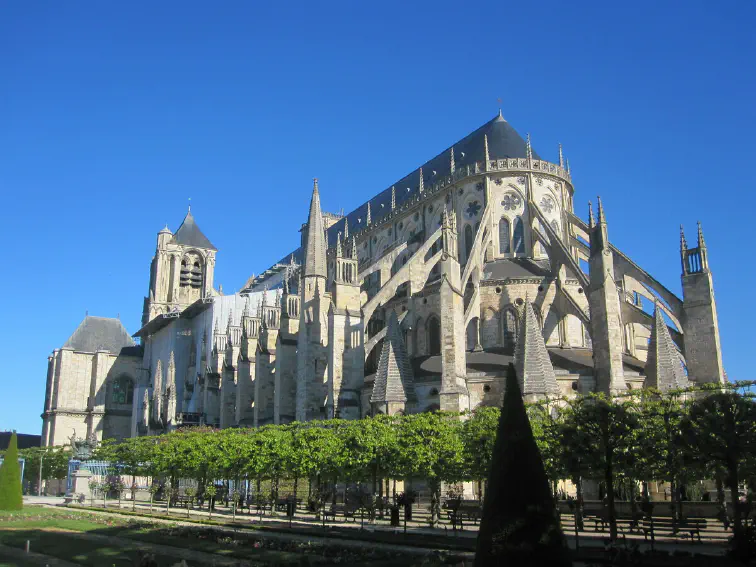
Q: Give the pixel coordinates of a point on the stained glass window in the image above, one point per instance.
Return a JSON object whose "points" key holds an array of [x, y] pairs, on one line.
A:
{"points": [[504, 236], [518, 236], [123, 390]]}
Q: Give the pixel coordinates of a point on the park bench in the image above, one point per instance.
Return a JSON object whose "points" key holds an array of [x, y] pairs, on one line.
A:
{"points": [[282, 502], [459, 510], [687, 527], [346, 510]]}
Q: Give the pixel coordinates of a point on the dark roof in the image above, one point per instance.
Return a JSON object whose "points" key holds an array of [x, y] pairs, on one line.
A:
{"points": [[99, 333], [503, 142], [515, 268], [189, 234], [495, 361], [25, 440]]}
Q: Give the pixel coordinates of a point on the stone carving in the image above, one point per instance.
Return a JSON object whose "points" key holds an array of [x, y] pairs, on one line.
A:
{"points": [[82, 449]]}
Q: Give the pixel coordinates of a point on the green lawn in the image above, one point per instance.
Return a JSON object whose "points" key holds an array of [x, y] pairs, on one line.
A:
{"points": [[46, 530]]}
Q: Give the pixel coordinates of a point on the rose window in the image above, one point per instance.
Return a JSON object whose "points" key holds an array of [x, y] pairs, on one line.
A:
{"points": [[511, 202], [547, 204], [473, 208]]}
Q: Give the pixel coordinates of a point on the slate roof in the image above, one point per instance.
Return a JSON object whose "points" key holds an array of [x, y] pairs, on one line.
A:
{"points": [[393, 379], [534, 370], [189, 234], [503, 142], [495, 362], [315, 258], [99, 333], [663, 367], [25, 440]]}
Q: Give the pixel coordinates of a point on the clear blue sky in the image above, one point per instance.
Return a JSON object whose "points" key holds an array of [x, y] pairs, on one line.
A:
{"points": [[113, 114]]}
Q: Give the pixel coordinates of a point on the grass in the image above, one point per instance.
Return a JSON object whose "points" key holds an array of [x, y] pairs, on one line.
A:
{"points": [[49, 532]]}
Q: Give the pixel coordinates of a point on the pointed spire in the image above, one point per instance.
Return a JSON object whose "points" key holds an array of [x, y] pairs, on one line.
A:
{"points": [[529, 148], [315, 252], [422, 184], [485, 150], [264, 299], [245, 313], [561, 157], [591, 220], [683, 244], [532, 362], [601, 217], [701, 242], [393, 196], [339, 253], [445, 217], [393, 379], [567, 165], [368, 218], [346, 229], [230, 321], [451, 161], [354, 248], [663, 369], [216, 330]]}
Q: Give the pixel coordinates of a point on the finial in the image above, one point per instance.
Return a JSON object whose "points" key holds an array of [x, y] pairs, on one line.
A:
{"points": [[245, 313], [683, 244], [354, 248], [485, 147], [451, 162], [567, 165], [338, 245], [500, 116], [368, 219], [561, 157], [445, 217], [422, 185], [230, 319], [314, 184], [591, 220], [393, 197], [291, 261], [701, 243], [529, 148], [217, 326], [190, 205], [346, 229], [601, 217]]}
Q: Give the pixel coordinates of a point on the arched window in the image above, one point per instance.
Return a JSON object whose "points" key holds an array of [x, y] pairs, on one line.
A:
{"points": [[518, 236], [468, 241], [510, 327], [434, 336], [555, 226], [123, 390], [504, 244]]}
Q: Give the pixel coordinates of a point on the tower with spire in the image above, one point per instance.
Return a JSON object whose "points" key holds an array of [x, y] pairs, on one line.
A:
{"points": [[312, 356], [606, 314], [182, 269], [703, 351]]}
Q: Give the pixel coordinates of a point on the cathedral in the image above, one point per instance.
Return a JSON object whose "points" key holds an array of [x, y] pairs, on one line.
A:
{"points": [[415, 301]]}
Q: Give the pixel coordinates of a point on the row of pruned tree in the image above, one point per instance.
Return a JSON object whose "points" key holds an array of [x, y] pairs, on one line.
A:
{"points": [[678, 438]]}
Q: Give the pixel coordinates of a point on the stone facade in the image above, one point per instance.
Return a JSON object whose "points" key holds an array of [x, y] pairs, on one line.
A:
{"points": [[478, 259]]}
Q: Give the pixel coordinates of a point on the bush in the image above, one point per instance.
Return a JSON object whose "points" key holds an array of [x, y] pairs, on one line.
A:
{"points": [[10, 479]]}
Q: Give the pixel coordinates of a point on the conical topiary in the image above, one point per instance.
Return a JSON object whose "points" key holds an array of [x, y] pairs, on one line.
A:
{"points": [[519, 524], [10, 478]]}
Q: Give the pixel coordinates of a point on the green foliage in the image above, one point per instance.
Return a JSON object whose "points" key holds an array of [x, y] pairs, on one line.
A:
{"points": [[10, 478]]}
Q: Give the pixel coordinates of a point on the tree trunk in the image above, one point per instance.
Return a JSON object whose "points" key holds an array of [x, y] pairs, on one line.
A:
{"points": [[579, 503], [435, 486], [609, 479], [733, 481]]}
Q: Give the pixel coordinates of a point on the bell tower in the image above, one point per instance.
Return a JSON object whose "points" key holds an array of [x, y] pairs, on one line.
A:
{"points": [[703, 351], [181, 271]]}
